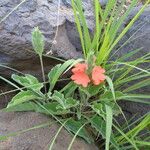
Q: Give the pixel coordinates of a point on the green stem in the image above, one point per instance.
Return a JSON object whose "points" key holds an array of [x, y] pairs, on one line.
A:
{"points": [[43, 75]]}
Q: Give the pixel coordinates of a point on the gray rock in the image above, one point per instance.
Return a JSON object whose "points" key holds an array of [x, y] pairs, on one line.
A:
{"points": [[15, 37], [68, 2], [37, 139], [5, 98], [103, 2], [138, 35], [15, 33]]}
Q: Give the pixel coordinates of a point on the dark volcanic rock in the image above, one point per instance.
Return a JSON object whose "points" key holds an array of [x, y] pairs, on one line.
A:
{"points": [[68, 2], [15, 37], [138, 35], [15, 33]]}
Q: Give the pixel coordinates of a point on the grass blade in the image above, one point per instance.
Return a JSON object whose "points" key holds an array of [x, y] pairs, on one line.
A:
{"points": [[109, 118]]}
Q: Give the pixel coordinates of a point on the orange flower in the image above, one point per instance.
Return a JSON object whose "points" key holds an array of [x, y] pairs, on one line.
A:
{"points": [[80, 77], [79, 68], [98, 75]]}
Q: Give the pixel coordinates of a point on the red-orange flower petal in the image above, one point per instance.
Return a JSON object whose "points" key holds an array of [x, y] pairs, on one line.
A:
{"points": [[81, 78], [98, 75], [79, 68]]}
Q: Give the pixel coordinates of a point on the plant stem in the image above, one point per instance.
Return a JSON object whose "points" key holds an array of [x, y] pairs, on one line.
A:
{"points": [[43, 75]]}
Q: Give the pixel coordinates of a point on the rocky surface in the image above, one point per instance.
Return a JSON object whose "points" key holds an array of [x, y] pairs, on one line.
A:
{"points": [[5, 98], [68, 2], [15, 32], [37, 139], [138, 35]]}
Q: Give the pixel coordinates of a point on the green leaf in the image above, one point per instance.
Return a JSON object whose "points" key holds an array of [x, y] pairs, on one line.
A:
{"points": [[70, 102], [93, 90], [86, 33], [107, 96], [128, 55], [99, 109], [31, 106], [28, 106], [138, 85], [97, 15], [69, 89], [52, 107], [59, 97], [74, 126], [81, 26], [130, 140], [57, 71], [109, 119], [65, 103], [143, 124], [38, 41], [139, 98], [28, 81], [22, 97], [108, 99], [133, 66], [51, 75], [98, 123], [111, 86]]}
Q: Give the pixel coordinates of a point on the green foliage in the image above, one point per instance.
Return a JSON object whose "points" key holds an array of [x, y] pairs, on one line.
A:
{"points": [[26, 106], [99, 124], [94, 90], [109, 120], [38, 41], [22, 97], [91, 110], [28, 81], [74, 126], [69, 89], [65, 103], [57, 71]]}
